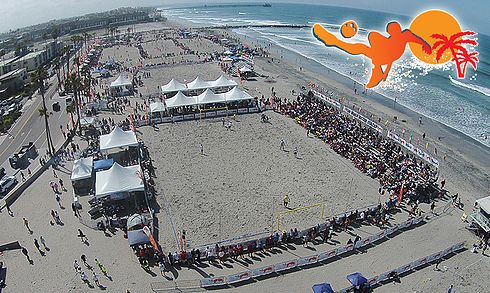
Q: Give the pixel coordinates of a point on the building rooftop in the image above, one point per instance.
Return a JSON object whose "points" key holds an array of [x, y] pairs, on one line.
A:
{"points": [[31, 55], [10, 74], [8, 61]]}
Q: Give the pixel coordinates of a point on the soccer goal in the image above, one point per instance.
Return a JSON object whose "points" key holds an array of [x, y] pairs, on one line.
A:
{"points": [[301, 217]]}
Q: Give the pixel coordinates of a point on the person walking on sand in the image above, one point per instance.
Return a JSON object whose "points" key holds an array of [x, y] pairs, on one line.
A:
{"points": [[283, 145], [76, 266], [82, 236], [432, 207], [450, 289], [26, 223], [54, 173], [84, 277], [26, 253], [43, 242], [286, 201], [96, 279], [295, 152], [58, 199], [162, 268], [202, 149], [10, 211], [38, 247]]}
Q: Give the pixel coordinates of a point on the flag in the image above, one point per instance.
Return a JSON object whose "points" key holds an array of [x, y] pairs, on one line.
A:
{"points": [[400, 195], [131, 122], [150, 237]]}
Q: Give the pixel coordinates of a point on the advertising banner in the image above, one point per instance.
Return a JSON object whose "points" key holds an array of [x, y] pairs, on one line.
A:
{"points": [[221, 113], [373, 280], [326, 255], [391, 230], [308, 260], [166, 119], [419, 262], [458, 246], [209, 282], [383, 277], [242, 110], [286, 265], [404, 268], [233, 111], [243, 276], [263, 271], [189, 116], [211, 114], [434, 256], [364, 242], [405, 224], [177, 118], [253, 110]]}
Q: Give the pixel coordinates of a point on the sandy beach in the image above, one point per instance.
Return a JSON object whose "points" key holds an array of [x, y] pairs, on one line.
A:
{"points": [[236, 188]]}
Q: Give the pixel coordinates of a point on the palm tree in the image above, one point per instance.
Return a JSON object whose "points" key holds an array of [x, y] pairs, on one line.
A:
{"points": [[38, 77], [75, 84], [66, 51], [455, 45], [56, 64], [465, 57]]}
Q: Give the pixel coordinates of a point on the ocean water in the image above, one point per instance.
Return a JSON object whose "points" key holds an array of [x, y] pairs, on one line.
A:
{"points": [[435, 92]]}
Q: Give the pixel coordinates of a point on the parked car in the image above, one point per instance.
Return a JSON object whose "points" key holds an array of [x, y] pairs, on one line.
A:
{"points": [[6, 184], [2, 172]]}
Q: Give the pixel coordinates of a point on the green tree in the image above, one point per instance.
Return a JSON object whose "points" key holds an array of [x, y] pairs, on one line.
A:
{"points": [[75, 84], [38, 77]]}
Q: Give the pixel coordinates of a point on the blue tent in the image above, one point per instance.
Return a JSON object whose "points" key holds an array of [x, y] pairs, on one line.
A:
{"points": [[356, 279], [103, 164], [322, 288]]}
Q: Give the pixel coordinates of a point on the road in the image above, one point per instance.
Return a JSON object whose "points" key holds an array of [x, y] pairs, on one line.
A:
{"points": [[30, 125]]}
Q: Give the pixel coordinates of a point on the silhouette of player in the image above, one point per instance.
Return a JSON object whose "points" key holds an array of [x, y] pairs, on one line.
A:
{"points": [[383, 51]]}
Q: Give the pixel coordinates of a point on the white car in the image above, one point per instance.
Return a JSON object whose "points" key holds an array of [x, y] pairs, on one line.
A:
{"points": [[6, 184]]}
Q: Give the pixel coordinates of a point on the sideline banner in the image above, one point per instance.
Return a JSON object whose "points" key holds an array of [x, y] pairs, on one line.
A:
{"points": [[235, 278], [326, 255], [419, 262], [189, 116], [363, 119], [326, 98], [209, 282], [312, 259], [285, 265], [458, 246], [243, 110], [363, 242], [421, 154], [263, 271], [404, 269], [434, 256], [177, 118]]}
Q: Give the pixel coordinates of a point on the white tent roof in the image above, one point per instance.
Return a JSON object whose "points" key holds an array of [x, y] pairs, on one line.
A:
{"points": [[118, 138], [118, 179], [245, 69], [227, 59], [237, 94], [82, 169], [173, 86], [180, 100], [484, 204], [208, 97], [222, 81], [157, 107], [87, 121], [121, 81], [198, 83]]}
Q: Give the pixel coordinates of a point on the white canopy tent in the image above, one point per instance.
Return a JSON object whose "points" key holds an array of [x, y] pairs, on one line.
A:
{"points": [[245, 69], [156, 107], [87, 121], [82, 169], [222, 82], [198, 83], [121, 81], [118, 179], [173, 86], [180, 100], [208, 97], [237, 94], [118, 138], [484, 204]]}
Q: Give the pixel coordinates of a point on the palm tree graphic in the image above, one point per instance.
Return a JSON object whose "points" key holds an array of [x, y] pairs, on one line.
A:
{"points": [[455, 44]]}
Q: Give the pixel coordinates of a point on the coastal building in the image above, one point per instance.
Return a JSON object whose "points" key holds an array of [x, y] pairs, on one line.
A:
{"points": [[31, 61], [6, 65], [13, 81]]}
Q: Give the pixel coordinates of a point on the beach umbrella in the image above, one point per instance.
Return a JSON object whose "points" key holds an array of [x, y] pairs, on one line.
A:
{"points": [[322, 288], [356, 279]]}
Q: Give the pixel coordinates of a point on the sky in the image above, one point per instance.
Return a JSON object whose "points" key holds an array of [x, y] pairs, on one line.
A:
{"points": [[473, 14]]}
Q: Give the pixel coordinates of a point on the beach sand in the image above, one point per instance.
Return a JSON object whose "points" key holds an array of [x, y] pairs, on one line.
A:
{"points": [[239, 184]]}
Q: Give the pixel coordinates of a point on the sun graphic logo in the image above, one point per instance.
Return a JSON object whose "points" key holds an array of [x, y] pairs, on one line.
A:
{"points": [[434, 37]]}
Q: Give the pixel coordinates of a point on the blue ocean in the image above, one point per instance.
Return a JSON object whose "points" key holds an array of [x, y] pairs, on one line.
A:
{"points": [[463, 105]]}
